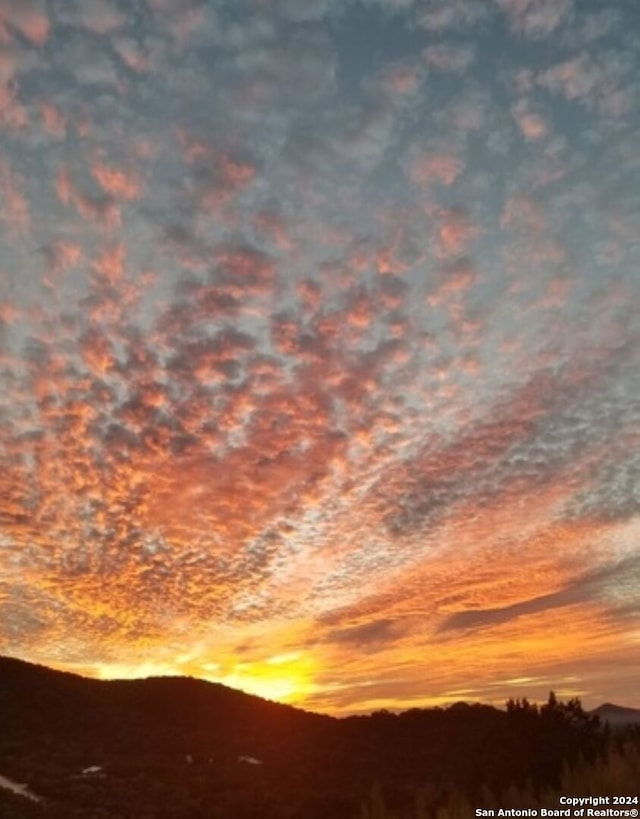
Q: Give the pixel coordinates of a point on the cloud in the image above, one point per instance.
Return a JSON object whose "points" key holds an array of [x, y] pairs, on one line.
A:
{"points": [[603, 84], [100, 17], [310, 345], [134, 56], [456, 232], [367, 637], [425, 167], [577, 78], [449, 58], [116, 183], [15, 212], [533, 125], [586, 589], [402, 78], [29, 19], [536, 18], [441, 16]]}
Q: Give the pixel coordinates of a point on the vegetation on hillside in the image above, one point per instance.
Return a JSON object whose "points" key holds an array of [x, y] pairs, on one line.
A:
{"points": [[177, 748], [615, 773]]}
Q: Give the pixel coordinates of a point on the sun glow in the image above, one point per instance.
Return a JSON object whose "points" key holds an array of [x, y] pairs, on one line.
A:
{"points": [[284, 677], [281, 677]]}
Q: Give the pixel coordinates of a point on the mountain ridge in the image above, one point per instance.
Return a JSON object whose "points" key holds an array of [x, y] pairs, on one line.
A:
{"points": [[617, 715], [604, 707], [191, 748]]}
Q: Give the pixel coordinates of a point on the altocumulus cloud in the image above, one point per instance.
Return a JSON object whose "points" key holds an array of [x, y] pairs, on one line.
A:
{"points": [[318, 338]]}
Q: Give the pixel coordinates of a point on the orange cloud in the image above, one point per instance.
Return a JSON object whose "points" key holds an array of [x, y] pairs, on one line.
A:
{"points": [[455, 233], [426, 168], [15, 210], [111, 264], [53, 121], [117, 183], [29, 18], [99, 209], [533, 126], [342, 411]]}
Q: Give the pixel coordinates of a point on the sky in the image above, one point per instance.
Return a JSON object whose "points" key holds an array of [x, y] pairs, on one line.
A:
{"points": [[319, 346]]}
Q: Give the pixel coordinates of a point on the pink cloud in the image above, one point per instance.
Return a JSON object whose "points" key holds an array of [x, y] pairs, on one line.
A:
{"points": [[97, 351], [135, 58], [575, 79], [111, 264], [230, 429], [14, 60], [467, 113], [450, 58], [54, 121], [235, 173], [391, 291], [403, 79], [361, 310], [60, 256], [310, 294], [244, 270], [221, 175], [456, 278], [117, 183], [533, 126], [455, 233], [271, 224], [103, 209], [99, 16], [557, 290], [28, 17], [15, 210], [603, 84], [451, 14], [536, 18], [194, 149], [426, 168], [9, 313]]}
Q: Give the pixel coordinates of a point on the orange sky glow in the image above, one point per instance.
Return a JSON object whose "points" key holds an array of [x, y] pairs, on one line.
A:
{"points": [[319, 346]]}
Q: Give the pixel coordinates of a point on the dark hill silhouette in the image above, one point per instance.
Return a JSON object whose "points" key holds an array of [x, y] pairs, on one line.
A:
{"points": [[160, 715], [616, 715], [171, 747]]}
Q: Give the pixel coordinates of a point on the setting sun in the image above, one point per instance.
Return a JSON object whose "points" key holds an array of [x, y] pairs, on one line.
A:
{"points": [[319, 382], [286, 678], [319, 343]]}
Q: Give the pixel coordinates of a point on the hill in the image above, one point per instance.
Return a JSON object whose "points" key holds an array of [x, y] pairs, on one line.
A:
{"points": [[156, 741], [168, 748], [616, 715]]}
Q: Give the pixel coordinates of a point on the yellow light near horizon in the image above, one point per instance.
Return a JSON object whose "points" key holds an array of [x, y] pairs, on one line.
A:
{"points": [[134, 671], [284, 677], [280, 689]]}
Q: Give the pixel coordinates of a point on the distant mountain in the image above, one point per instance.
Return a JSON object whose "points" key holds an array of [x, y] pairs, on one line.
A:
{"points": [[180, 748], [616, 715]]}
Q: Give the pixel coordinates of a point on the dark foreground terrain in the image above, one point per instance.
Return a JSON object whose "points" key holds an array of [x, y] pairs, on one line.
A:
{"points": [[178, 748]]}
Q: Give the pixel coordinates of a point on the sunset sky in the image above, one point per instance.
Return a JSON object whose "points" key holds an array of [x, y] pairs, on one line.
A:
{"points": [[319, 345]]}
